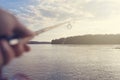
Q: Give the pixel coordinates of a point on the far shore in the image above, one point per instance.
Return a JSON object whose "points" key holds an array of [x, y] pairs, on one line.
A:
{"points": [[38, 42]]}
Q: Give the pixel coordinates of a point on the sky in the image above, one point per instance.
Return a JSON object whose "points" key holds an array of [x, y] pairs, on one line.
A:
{"points": [[87, 16]]}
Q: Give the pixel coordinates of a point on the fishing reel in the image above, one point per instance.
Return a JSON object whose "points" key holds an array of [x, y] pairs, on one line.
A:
{"points": [[69, 26]]}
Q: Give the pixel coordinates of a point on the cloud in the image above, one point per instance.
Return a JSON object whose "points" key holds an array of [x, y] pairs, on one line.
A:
{"points": [[48, 12], [101, 9]]}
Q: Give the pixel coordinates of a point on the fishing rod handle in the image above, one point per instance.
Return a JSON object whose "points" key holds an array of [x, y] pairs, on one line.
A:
{"points": [[13, 40]]}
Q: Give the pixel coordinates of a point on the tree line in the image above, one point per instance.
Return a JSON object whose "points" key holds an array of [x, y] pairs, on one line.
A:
{"points": [[89, 39]]}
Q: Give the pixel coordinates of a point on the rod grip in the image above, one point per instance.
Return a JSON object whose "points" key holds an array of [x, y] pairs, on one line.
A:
{"points": [[13, 40]]}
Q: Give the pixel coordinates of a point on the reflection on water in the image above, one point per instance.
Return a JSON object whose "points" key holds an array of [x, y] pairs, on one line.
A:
{"points": [[68, 62]]}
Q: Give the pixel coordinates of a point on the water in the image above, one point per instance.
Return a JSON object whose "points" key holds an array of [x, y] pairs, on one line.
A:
{"points": [[68, 62]]}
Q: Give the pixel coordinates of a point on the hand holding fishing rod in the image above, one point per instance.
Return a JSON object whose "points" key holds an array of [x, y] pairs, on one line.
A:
{"points": [[15, 36], [12, 30]]}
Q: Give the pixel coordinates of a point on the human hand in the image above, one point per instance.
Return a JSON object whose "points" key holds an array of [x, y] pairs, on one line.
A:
{"points": [[9, 26]]}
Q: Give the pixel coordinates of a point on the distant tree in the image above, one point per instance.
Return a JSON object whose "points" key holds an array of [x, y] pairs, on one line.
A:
{"points": [[89, 39]]}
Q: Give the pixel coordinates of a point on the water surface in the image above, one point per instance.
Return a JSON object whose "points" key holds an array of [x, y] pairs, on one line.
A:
{"points": [[68, 62]]}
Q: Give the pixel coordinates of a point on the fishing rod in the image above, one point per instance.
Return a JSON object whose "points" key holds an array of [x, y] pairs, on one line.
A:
{"points": [[13, 41]]}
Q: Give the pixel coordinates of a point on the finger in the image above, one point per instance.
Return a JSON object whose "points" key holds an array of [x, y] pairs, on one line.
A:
{"points": [[26, 48], [18, 49], [22, 31], [7, 52]]}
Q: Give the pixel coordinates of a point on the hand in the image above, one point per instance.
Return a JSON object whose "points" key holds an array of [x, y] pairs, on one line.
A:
{"points": [[9, 25]]}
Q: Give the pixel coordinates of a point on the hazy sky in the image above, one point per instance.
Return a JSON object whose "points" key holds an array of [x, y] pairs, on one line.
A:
{"points": [[88, 16]]}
